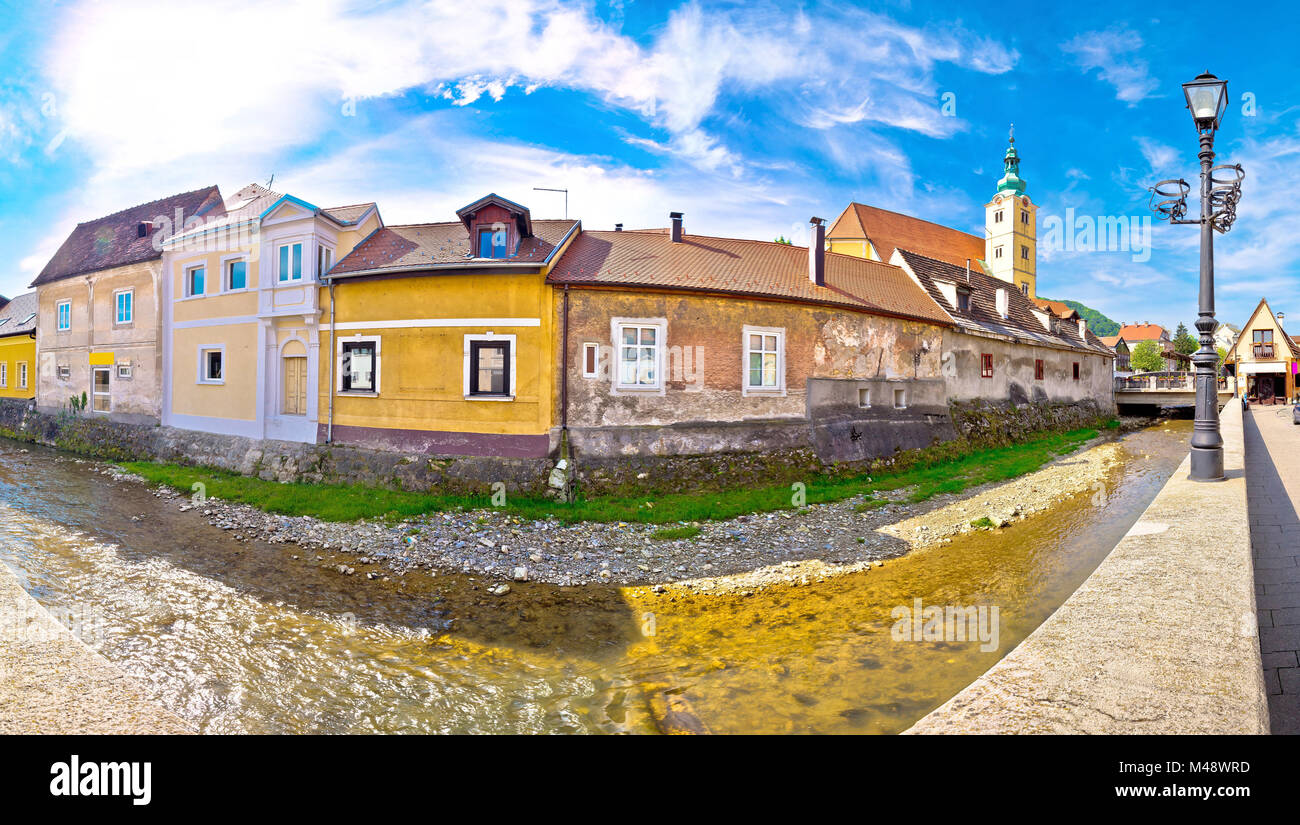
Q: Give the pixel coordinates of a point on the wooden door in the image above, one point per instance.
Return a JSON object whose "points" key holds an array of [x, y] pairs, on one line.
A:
{"points": [[295, 386]]}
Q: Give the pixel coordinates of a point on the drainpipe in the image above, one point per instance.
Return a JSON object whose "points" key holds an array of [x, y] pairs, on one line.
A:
{"points": [[329, 426], [564, 373]]}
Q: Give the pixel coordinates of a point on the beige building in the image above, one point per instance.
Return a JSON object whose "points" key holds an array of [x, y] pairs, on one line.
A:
{"points": [[98, 320], [1265, 359]]}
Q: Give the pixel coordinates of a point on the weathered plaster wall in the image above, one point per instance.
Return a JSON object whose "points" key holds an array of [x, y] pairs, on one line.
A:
{"points": [[1013, 378], [704, 407]]}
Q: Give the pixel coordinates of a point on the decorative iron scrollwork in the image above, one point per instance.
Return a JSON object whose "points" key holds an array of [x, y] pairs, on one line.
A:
{"points": [[1168, 199], [1225, 193]]}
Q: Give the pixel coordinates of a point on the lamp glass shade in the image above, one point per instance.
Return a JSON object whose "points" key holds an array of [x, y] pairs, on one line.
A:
{"points": [[1207, 97]]}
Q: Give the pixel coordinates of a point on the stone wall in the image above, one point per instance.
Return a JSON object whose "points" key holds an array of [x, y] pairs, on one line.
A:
{"points": [[992, 424]]}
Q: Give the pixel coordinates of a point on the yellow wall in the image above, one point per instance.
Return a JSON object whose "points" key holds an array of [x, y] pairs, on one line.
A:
{"points": [[15, 350], [857, 248], [421, 373]]}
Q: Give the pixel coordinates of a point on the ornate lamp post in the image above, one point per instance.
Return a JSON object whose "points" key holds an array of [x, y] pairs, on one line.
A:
{"points": [[1207, 97]]}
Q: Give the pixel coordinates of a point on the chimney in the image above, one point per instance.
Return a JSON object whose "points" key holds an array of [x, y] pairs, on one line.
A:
{"points": [[677, 226], [817, 251], [968, 270], [1003, 302], [618, 227], [1083, 329]]}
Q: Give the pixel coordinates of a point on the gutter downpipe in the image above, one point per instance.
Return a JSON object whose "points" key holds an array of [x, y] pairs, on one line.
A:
{"points": [[564, 374], [329, 426]]}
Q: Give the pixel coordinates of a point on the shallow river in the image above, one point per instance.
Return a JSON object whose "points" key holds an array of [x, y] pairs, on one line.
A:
{"points": [[241, 637]]}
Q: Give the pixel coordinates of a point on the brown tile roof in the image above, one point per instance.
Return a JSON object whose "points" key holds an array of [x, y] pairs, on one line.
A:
{"points": [[1020, 323], [348, 214], [1112, 340], [738, 266], [422, 245], [19, 315], [888, 231], [1059, 308], [1142, 332], [113, 240]]}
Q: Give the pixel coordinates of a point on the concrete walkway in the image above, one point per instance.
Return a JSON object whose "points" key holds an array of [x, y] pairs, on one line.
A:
{"points": [[1273, 485], [50, 682]]}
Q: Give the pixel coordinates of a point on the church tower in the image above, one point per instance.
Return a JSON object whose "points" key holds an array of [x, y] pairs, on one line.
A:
{"points": [[1010, 228]]}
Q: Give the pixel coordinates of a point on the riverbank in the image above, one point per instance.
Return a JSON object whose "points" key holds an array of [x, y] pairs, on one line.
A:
{"points": [[51, 682], [886, 518]]}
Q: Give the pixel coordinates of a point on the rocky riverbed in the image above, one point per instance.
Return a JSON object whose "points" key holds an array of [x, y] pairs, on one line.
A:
{"points": [[745, 553]]}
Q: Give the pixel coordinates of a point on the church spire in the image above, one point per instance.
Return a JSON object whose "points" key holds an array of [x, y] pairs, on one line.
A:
{"points": [[1011, 180]]}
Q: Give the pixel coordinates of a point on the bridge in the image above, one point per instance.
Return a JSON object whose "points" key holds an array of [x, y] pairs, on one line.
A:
{"points": [[1165, 389]]}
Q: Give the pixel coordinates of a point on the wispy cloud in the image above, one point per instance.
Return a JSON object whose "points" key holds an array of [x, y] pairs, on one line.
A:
{"points": [[1116, 55]]}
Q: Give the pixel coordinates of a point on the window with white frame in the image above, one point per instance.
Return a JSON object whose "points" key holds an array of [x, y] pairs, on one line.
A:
{"points": [[290, 261], [764, 360], [639, 353], [236, 275], [4, 373], [124, 306], [590, 360], [324, 260], [65, 372], [63, 315], [359, 366], [123, 370], [22, 375], [194, 277], [489, 367], [212, 365]]}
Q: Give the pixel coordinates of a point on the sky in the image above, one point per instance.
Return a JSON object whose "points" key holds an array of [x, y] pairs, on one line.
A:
{"points": [[748, 117]]}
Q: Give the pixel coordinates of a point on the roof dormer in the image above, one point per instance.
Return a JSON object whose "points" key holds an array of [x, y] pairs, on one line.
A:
{"points": [[496, 226]]}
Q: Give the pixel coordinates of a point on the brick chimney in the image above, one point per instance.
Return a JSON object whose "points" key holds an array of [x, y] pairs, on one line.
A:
{"points": [[817, 251], [677, 226]]}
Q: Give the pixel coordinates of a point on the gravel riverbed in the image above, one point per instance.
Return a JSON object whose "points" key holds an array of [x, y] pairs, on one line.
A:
{"points": [[745, 553]]}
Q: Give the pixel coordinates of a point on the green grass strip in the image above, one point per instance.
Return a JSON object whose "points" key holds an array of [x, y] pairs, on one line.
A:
{"points": [[945, 468]]}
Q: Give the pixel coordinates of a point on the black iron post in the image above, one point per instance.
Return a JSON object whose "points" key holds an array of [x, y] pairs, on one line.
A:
{"points": [[1207, 441]]}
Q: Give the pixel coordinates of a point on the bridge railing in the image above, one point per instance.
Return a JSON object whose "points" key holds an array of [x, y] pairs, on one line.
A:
{"points": [[1167, 382]]}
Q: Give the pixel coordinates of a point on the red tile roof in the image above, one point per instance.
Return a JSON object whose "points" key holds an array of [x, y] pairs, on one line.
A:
{"points": [[1142, 332], [738, 266], [888, 231], [113, 240], [1058, 308], [423, 245]]}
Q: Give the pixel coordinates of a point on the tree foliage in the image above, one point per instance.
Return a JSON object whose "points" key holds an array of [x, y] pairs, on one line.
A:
{"points": [[1097, 322], [1184, 341], [1147, 357]]}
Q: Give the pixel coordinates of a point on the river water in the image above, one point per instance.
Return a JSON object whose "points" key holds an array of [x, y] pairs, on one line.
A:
{"points": [[242, 637]]}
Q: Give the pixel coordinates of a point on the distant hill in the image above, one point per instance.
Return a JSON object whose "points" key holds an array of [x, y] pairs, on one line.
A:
{"points": [[1100, 325]]}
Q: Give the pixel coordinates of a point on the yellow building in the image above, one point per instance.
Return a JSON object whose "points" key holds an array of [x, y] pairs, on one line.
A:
{"points": [[241, 313], [98, 321], [1265, 359], [444, 335], [18, 347]]}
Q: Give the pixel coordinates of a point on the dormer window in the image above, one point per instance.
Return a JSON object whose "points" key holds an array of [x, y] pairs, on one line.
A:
{"points": [[492, 243], [963, 300]]}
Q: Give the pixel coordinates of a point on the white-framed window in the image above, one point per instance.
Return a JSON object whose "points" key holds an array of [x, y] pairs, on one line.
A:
{"points": [[864, 397], [234, 274], [590, 360], [358, 365], [1024, 252], [4, 373], [997, 216], [900, 399], [194, 280], [212, 365], [289, 261], [997, 252], [324, 260], [22, 375], [123, 370], [764, 363], [65, 372], [640, 347], [490, 367], [63, 315], [123, 306], [101, 399]]}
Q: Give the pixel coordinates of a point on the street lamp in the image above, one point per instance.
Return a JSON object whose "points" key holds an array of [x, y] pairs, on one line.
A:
{"points": [[1207, 98]]}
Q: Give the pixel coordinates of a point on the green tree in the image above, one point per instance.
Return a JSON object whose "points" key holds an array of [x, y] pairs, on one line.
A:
{"points": [[1223, 356], [1184, 341], [1147, 357], [782, 240]]}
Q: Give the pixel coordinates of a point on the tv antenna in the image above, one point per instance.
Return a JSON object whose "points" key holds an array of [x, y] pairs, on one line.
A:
{"points": [[566, 197]]}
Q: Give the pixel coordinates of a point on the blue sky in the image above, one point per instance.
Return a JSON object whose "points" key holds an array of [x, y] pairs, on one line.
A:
{"points": [[748, 117]]}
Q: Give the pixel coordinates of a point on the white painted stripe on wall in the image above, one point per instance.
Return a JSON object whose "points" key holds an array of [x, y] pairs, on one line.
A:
{"points": [[439, 322], [232, 320]]}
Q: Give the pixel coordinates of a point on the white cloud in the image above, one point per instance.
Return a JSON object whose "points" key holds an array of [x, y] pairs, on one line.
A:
{"points": [[1162, 158], [1115, 54]]}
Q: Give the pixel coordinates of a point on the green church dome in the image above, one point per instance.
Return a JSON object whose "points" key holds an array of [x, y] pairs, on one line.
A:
{"points": [[1011, 180]]}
